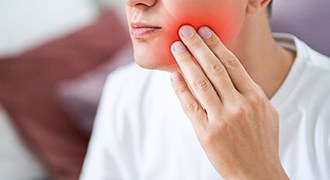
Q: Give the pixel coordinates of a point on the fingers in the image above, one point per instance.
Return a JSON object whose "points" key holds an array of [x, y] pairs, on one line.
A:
{"points": [[240, 78], [193, 109], [212, 67], [235, 70], [200, 85]]}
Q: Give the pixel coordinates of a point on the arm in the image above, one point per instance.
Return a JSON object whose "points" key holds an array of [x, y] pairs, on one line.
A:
{"points": [[232, 118]]}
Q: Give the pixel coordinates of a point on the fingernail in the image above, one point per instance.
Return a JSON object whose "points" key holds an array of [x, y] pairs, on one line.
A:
{"points": [[187, 31], [205, 32], [178, 47], [176, 77]]}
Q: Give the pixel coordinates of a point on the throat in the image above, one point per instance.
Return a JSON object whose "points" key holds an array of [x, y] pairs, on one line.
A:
{"points": [[270, 72]]}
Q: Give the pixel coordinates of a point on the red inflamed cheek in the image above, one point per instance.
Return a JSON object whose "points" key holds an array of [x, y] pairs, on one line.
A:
{"points": [[224, 17], [223, 27], [224, 21]]}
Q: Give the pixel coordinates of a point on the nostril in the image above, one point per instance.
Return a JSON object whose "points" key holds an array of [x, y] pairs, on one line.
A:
{"points": [[146, 3]]}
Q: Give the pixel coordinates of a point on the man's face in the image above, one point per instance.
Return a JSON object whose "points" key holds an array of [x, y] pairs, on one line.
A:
{"points": [[154, 25]]}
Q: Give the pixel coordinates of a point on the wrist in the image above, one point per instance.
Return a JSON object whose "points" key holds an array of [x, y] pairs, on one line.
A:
{"points": [[271, 174]]}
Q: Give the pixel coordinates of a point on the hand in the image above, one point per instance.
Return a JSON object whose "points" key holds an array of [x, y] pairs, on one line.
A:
{"points": [[232, 117]]}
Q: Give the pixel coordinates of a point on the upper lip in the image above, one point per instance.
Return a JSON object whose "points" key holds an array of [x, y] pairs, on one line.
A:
{"points": [[143, 25]]}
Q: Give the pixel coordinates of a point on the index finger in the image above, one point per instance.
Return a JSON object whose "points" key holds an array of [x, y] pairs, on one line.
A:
{"points": [[239, 76]]}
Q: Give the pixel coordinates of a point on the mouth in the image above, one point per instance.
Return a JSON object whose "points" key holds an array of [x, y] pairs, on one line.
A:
{"points": [[144, 30]]}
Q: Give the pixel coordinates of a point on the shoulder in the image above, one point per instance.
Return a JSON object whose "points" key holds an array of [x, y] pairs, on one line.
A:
{"points": [[318, 61], [315, 73], [316, 70], [307, 83], [312, 58], [311, 86]]}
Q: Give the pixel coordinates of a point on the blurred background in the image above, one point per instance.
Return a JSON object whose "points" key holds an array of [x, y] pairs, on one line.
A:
{"points": [[54, 59], [32, 22]]}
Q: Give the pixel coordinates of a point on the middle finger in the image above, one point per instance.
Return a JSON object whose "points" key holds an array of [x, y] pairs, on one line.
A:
{"points": [[211, 65], [199, 84]]}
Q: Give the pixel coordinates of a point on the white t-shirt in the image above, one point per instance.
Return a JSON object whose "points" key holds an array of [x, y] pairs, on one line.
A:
{"points": [[142, 133]]}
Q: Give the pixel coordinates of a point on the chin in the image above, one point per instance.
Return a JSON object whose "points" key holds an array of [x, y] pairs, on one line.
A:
{"points": [[150, 56]]}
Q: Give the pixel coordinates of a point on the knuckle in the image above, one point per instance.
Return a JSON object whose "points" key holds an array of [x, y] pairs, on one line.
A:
{"points": [[257, 99], [202, 84], [212, 134], [202, 132], [231, 62], [216, 69], [214, 43], [191, 107], [257, 88], [223, 126], [210, 137], [238, 111], [180, 90]]}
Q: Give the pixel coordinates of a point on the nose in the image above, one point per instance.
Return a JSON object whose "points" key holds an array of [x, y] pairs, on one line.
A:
{"points": [[133, 3]]}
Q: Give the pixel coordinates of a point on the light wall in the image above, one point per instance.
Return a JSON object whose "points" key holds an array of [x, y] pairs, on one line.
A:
{"points": [[28, 23], [119, 5]]}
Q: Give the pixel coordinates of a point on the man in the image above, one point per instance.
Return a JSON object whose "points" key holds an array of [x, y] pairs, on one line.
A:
{"points": [[253, 106]]}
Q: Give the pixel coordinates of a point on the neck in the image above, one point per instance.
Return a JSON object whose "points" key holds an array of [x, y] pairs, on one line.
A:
{"points": [[267, 63]]}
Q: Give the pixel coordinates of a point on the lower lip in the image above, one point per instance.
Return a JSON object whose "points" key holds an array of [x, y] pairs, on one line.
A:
{"points": [[143, 32]]}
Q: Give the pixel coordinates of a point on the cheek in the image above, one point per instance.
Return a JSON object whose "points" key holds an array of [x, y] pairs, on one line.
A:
{"points": [[224, 20]]}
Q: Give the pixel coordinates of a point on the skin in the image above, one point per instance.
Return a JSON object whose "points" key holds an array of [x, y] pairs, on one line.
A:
{"points": [[220, 99], [224, 86], [225, 17]]}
